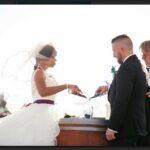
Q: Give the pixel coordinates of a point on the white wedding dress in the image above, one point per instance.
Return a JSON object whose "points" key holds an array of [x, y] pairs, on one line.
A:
{"points": [[36, 124]]}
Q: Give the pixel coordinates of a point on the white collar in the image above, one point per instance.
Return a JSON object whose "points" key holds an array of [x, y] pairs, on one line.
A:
{"points": [[127, 57]]}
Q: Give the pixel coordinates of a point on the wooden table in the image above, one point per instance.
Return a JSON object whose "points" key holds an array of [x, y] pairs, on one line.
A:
{"points": [[82, 132]]}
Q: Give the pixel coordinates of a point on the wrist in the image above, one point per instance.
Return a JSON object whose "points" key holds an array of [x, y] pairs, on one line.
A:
{"points": [[66, 86]]}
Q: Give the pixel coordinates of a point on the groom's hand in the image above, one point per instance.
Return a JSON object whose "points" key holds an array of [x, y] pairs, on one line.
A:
{"points": [[110, 135], [102, 89]]}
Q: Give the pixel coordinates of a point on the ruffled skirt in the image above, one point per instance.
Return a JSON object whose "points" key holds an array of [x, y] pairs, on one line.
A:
{"points": [[37, 124]]}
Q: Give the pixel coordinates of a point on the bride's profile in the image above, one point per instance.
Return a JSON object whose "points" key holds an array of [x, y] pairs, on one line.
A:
{"points": [[37, 123]]}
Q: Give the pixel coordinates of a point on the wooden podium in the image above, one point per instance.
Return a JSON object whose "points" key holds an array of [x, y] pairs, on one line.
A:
{"points": [[82, 132]]}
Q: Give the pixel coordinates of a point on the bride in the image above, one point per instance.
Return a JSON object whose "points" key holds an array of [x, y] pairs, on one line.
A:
{"points": [[37, 123]]}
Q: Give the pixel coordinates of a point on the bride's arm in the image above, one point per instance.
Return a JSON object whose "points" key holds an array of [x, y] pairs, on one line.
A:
{"points": [[47, 91]]}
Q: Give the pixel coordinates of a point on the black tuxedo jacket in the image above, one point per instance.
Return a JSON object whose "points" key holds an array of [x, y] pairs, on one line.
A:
{"points": [[147, 105], [127, 99]]}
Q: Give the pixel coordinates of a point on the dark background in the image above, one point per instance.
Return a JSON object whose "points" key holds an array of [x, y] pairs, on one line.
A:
{"points": [[74, 2]]}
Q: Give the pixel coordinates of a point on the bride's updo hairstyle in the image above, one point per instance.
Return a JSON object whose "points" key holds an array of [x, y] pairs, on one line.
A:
{"points": [[45, 53]]}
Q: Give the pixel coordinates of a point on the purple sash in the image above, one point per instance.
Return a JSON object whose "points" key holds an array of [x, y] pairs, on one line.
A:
{"points": [[41, 101]]}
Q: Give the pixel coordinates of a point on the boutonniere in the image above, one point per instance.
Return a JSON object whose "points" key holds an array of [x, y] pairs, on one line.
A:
{"points": [[113, 71]]}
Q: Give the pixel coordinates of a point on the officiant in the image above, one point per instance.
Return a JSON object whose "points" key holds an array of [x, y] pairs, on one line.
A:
{"points": [[145, 49]]}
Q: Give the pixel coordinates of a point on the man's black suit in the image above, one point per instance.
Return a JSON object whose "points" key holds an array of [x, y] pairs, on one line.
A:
{"points": [[145, 140], [147, 105], [127, 99]]}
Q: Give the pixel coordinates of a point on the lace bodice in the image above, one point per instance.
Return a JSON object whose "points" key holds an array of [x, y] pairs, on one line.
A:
{"points": [[49, 81]]}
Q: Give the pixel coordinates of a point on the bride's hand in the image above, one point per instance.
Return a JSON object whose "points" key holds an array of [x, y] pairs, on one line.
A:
{"points": [[74, 89]]}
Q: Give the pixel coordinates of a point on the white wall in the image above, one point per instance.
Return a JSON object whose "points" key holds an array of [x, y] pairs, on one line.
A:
{"points": [[82, 36]]}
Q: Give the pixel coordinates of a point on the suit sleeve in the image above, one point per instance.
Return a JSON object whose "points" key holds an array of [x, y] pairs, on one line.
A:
{"points": [[125, 80]]}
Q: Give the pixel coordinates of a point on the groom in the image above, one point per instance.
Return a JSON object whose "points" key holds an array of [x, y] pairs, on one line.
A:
{"points": [[126, 96]]}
